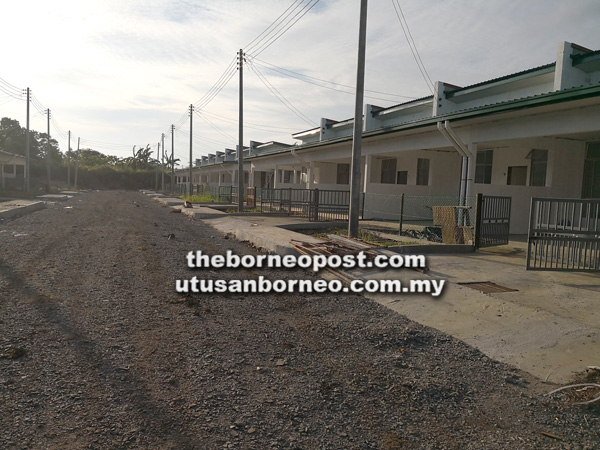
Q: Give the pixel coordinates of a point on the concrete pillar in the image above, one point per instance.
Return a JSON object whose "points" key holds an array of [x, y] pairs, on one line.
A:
{"points": [[565, 75], [471, 170], [367, 172], [276, 177]]}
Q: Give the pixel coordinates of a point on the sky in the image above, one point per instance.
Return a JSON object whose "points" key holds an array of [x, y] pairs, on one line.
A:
{"points": [[119, 73]]}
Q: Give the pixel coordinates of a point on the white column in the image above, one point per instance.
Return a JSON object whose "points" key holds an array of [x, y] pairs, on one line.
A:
{"points": [[367, 173], [471, 170]]}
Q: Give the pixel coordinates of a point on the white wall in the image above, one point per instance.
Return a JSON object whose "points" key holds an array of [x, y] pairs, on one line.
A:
{"points": [[444, 173], [564, 175]]}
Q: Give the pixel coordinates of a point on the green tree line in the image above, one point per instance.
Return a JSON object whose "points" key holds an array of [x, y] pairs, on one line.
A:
{"points": [[95, 170]]}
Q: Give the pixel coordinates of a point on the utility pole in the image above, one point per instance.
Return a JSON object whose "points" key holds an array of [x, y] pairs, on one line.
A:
{"points": [[358, 121], [172, 159], [191, 116], [241, 137], [156, 171], [27, 145], [69, 161], [77, 162], [48, 151], [163, 160]]}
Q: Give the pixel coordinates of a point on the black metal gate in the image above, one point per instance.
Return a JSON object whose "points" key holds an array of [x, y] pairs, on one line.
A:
{"points": [[493, 220], [314, 204], [564, 235]]}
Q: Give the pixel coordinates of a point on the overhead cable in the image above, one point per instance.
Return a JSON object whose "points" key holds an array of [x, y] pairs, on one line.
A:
{"points": [[299, 15], [282, 99], [412, 45]]}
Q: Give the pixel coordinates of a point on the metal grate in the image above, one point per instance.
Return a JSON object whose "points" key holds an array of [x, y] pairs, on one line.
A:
{"points": [[487, 287], [564, 234]]}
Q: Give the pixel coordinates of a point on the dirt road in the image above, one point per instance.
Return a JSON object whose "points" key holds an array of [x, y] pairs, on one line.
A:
{"points": [[98, 351]]}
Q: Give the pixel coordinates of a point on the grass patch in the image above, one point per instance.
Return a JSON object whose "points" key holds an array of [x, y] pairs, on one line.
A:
{"points": [[199, 198], [246, 210], [363, 235]]}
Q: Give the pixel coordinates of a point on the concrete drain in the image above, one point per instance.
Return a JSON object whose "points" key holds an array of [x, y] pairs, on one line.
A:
{"points": [[487, 287]]}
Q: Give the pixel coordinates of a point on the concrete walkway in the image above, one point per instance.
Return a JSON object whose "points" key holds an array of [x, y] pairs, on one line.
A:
{"points": [[549, 326], [15, 208]]}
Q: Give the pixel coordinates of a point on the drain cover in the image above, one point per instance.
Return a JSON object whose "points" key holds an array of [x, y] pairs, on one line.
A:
{"points": [[487, 287]]}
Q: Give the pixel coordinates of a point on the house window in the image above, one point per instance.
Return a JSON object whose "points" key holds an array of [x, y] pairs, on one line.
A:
{"points": [[422, 172], [591, 172], [517, 176], [286, 176], [539, 163], [483, 167], [343, 174], [304, 175], [388, 171], [402, 177]]}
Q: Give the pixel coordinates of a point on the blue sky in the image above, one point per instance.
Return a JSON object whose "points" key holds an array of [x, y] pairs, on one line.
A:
{"points": [[118, 73]]}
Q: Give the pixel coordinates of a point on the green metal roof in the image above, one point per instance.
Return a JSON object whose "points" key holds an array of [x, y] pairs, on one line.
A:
{"points": [[550, 98]]}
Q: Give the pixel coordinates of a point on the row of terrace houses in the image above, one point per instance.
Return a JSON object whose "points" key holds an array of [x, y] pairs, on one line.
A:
{"points": [[535, 133]]}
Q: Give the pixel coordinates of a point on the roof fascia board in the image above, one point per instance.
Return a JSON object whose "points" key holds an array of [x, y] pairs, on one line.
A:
{"points": [[512, 105]]}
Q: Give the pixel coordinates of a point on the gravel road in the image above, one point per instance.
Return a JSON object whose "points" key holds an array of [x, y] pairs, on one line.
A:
{"points": [[97, 350]]}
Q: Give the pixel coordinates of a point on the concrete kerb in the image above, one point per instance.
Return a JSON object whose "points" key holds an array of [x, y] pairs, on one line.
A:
{"points": [[17, 208], [167, 201], [271, 239], [55, 197]]}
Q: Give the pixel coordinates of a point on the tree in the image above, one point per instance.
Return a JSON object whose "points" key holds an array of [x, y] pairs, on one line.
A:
{"points": [[141, 159], [12, 139], [172, 162]]}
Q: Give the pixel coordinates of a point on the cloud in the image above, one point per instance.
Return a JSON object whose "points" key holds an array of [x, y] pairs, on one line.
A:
{"points": [[124, 71]]}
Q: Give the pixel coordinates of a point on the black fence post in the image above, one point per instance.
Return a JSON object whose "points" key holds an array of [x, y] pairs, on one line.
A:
{"points": [[478, 215], [362, 206], [401, 212], [316, 208]]}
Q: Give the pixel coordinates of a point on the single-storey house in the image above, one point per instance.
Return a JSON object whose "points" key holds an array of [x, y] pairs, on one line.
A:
{"points": [[534, 133], [12, 169]]}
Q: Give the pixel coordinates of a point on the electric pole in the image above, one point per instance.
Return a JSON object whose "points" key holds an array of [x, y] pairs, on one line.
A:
{"points": [[162, 136], [77, 162], [156, 171], [69, 161], [358, 121], [27, 144], [191, 116], [48, 151], [172, 159], [241, 138]]}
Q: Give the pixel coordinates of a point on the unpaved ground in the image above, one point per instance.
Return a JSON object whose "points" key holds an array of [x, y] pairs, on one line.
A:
{"points": [[98, 351]]}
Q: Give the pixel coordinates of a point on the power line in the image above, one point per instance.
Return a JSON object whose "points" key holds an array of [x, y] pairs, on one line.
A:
{"points": [[216, 90], [215, 127], [253, 125], [281, 98], [299, 15], [412, 45], [250, 46], [301, 77], [11, 90], [62, 133], [218, 86]]}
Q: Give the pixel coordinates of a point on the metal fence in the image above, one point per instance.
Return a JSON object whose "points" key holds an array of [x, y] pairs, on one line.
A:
{"points": [[433, 217], [564, 234], [221, 194], [315, 204], [493, 220]]}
